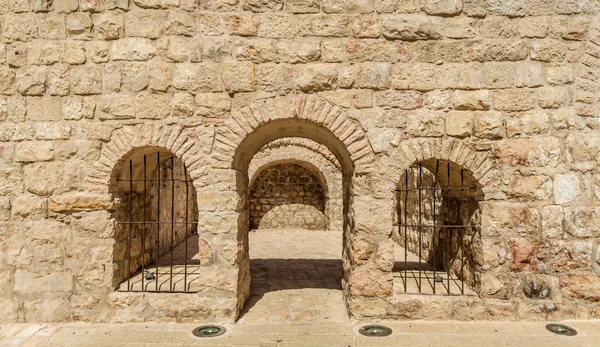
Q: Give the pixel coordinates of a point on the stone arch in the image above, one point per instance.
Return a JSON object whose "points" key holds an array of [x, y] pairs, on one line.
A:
{"points": [[480, 163], [251, 127], [299, 116], [123, 141]]}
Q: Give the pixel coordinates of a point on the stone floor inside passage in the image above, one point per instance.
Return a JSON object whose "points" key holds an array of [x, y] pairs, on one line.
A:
{"points": [[297, 301]]}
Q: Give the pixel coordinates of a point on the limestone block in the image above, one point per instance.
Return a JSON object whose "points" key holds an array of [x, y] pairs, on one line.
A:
{"points": [[90, 6], [375, 76], [460, 76], [554, 97], [567, 187], [530, 123], [413, 27], [19, 28], [72, 202], [571, 255], [241, 25], [8, 83], [489, 125], [370, 283], [32, 81], [111, 78], [560, 74], [213, 105], [513, 100], [366, 26], [135, 77], [303, 6], [156, 3], [10, 310], [509, 218], [43, 53], [203, 77], [73, 53], [539, 152], [510, 8], [326, 26], [580, 286], [273, 77], [32, 151], [494, 286], [98, 51], [459, 124], [472, 100], [298, 51], [582, 148], [76, 108], [255, 50], [16, 54], [279, 26], [530, 187], [495, 76], [529, 74], [19, 6], [575, 28], [52, 131], [262, 5], [548, 50], [152, 105], [406, 100], [209, 25], [582, 222], [117, 106], [533, 27], [146, 24], [181, 23], [66, 6], [370, 51], [58, 80], [415, 76], [4, 211], [161, 76], [86, 80], [461, 28], [116, 4], [133, 49], [30, 282], [529, 256], [316, 77], [498, 50], [173, 49], [46, 310], [109, 26], [443, 7], [363, 99], [182, 105], [79, 25], [438, 99], [238, 77], [16, 108]]}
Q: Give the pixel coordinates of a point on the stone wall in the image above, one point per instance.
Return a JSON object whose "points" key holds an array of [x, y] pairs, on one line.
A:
{"points": [[287, 196], [506, 89], [300, 150]]}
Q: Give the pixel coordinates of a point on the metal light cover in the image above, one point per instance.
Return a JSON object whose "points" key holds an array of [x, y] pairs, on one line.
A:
{"points": [[209, 331], [375, 331], [561, 329]]}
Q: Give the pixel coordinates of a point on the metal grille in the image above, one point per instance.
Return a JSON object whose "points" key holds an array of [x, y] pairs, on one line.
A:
{"points": [[161, 236], [433, 227]]}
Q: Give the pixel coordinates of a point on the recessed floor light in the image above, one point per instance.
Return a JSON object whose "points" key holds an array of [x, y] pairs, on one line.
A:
{"points": [[209, 331], [375, 331], [561, 329]]}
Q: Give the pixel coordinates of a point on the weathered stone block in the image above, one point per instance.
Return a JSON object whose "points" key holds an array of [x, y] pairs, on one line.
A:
{"points": [[86, 80], [530, 123], [530, 187], [580, 286], [406, 100], [513, 100], [32, 151], [116, 106], [109, 26], [489, 125], [460, 76], [213, 105], [582, 222], [32, 81], [30, 282], [411, 28], [539, 152], [509, 218], [133, 49], [472, 100], [241, 25], [152, 105], [238, 77], [19, 28], [511, 8], [459, 124], [316, 77], [375, 76], [79, 25]]}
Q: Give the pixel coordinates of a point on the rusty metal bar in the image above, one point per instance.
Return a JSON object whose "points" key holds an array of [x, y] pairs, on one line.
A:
{"points": [[157, 216], [130, 218], [419, 230], [435, 234], [449, 238], [406, 234], [172, 219], [144, 225], [462, 236], [186, 228]]}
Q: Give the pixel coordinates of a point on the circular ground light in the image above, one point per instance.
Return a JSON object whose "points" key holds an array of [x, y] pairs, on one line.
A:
{"points": [[375, 331], [561, 329], [209, 331]]}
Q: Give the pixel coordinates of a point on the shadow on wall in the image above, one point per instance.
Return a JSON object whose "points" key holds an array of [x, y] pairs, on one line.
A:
{"points": [[287, 196]]}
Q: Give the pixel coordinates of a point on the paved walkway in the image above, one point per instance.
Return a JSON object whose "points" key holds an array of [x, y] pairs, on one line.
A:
{"points": [[296, 277], [430, 334]]}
